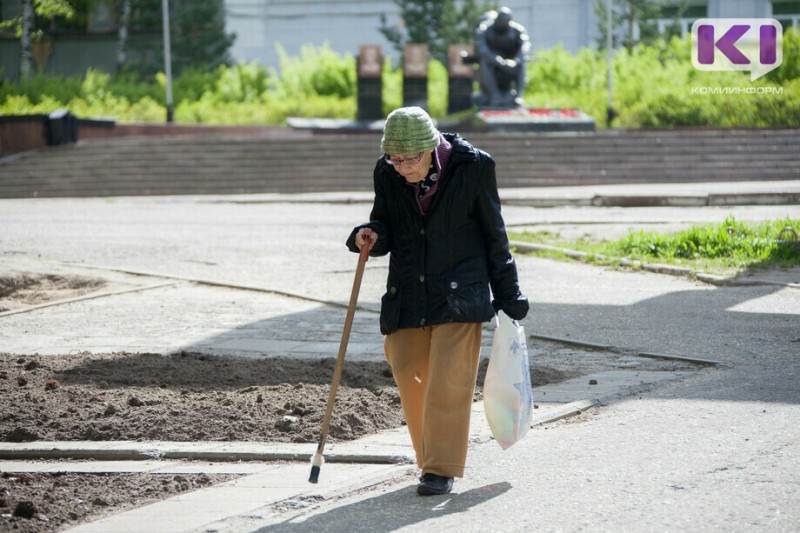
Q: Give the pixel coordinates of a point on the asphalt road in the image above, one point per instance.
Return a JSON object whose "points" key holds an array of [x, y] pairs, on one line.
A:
{"points": [[716, 451]]}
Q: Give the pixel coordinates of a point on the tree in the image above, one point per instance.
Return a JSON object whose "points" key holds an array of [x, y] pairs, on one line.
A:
{"points": [[24, 26], [198, 36], [83, 10], [122, 33], [198, 31], [632, 21], [435, 23], [200, 40], [26, 53]]}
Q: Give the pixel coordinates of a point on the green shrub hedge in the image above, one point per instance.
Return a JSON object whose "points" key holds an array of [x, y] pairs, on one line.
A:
{"points": [[654, 86], [657, 86]]}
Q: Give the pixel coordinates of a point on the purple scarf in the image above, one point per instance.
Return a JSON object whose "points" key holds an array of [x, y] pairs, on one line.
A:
{"points": [[440, 157]]}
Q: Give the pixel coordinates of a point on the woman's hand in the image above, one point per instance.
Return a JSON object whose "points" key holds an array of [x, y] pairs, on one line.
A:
{"points": [[364, 236]]}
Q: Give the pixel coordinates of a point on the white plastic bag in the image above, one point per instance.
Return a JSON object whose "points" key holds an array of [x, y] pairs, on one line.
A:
{"points": [[507, 394]]}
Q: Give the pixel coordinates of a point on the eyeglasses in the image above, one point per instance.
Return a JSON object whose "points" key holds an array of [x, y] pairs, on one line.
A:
{"points": [[395, 161]]}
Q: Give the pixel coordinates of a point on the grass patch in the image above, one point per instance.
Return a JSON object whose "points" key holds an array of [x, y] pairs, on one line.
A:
{"points": [[727, 248]]}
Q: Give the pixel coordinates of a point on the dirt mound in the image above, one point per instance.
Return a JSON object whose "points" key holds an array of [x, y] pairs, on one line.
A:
{"points": [[186, 397], [38, 503], [179, 397], [24, 289], [190, 397]]}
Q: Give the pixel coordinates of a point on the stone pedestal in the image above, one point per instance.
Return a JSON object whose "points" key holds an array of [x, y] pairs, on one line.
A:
{"points": [[369, 84], [415, 75], [527, 119]]}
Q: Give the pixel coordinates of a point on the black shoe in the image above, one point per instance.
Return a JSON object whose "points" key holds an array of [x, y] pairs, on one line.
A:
{"points": [[431, 484]]}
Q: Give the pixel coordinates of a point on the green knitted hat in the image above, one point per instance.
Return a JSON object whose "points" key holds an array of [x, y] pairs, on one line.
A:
{"points": [[409, 130]]}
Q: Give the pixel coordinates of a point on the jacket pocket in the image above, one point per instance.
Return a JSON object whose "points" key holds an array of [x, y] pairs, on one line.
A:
{"points": [[390, 311], [469, 302]]}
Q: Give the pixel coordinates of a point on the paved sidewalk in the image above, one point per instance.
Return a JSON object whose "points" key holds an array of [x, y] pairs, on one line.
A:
{"points": [[274, 476], [268, 275]]}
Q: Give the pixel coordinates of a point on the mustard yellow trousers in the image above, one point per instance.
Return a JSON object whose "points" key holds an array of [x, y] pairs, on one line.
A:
{"points": [[435, 368]]}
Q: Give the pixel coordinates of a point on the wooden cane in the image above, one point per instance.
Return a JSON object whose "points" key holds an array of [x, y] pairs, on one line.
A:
{"points": [[317, 460]]}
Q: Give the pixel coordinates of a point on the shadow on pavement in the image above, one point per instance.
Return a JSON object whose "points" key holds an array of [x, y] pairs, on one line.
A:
{"points": [[392, 511], [751, 327], [731, 324]]}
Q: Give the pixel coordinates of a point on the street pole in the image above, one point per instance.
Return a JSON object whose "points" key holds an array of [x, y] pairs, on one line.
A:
{"points": [[610, 113], [167, 59]]}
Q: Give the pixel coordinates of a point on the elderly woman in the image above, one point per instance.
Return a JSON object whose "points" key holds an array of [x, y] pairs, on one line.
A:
{"points": [[437, 212]]}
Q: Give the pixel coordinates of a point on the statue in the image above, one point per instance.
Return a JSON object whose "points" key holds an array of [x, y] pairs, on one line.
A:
{"points": [[501, 48]]}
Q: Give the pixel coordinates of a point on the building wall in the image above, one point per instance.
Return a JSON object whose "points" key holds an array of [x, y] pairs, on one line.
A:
{"points": [[9, 59], [260, 25], [345, 25], [739, 8], [568, 23], [69, 56]]}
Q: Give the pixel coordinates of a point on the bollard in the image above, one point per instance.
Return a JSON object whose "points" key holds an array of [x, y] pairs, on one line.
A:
{"points": [[415, 75], [370, 86], [460, 77]]}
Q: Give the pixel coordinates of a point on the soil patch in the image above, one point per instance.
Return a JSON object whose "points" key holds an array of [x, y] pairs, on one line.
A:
{"points": [[179, 397], [188, 397], [25, 289], [42, 502]]}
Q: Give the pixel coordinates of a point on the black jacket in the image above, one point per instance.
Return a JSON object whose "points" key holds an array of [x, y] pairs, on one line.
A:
{"points": [[442, 264]]}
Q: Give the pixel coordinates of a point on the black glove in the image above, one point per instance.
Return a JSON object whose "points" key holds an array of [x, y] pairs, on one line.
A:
{"points": [[516, 309]]}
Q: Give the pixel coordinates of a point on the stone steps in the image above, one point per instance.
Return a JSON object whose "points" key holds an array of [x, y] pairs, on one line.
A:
{"points": [[334, 162]]}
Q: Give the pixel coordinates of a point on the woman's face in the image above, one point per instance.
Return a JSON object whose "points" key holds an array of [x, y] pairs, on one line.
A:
{"points": [[413, 167]]}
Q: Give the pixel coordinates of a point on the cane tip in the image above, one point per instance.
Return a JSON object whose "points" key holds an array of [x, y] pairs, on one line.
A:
{"points": [[314, 477]]}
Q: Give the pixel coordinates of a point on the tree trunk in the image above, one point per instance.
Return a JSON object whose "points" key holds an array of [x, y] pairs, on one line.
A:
{"points": [[26, 57], [631, 23], [124, 23]]}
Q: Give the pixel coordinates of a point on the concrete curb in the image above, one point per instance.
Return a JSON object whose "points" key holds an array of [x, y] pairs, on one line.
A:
{"points": [[694, 360], [700, 200], [656, 268], [87, 297], [615, 349], [565, 411], [255, 452], [206, 451], [512, 197], [215, 283], [573, 342]]}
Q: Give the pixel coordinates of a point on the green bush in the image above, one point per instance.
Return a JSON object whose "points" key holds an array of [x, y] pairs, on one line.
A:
{"points": [[42, 87], [124, 85], [318, 70], [558, 79], [189, 86], [653, 87], [20, 104], [437, 87], [721, 110], [392, 79], [790, 69]]}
